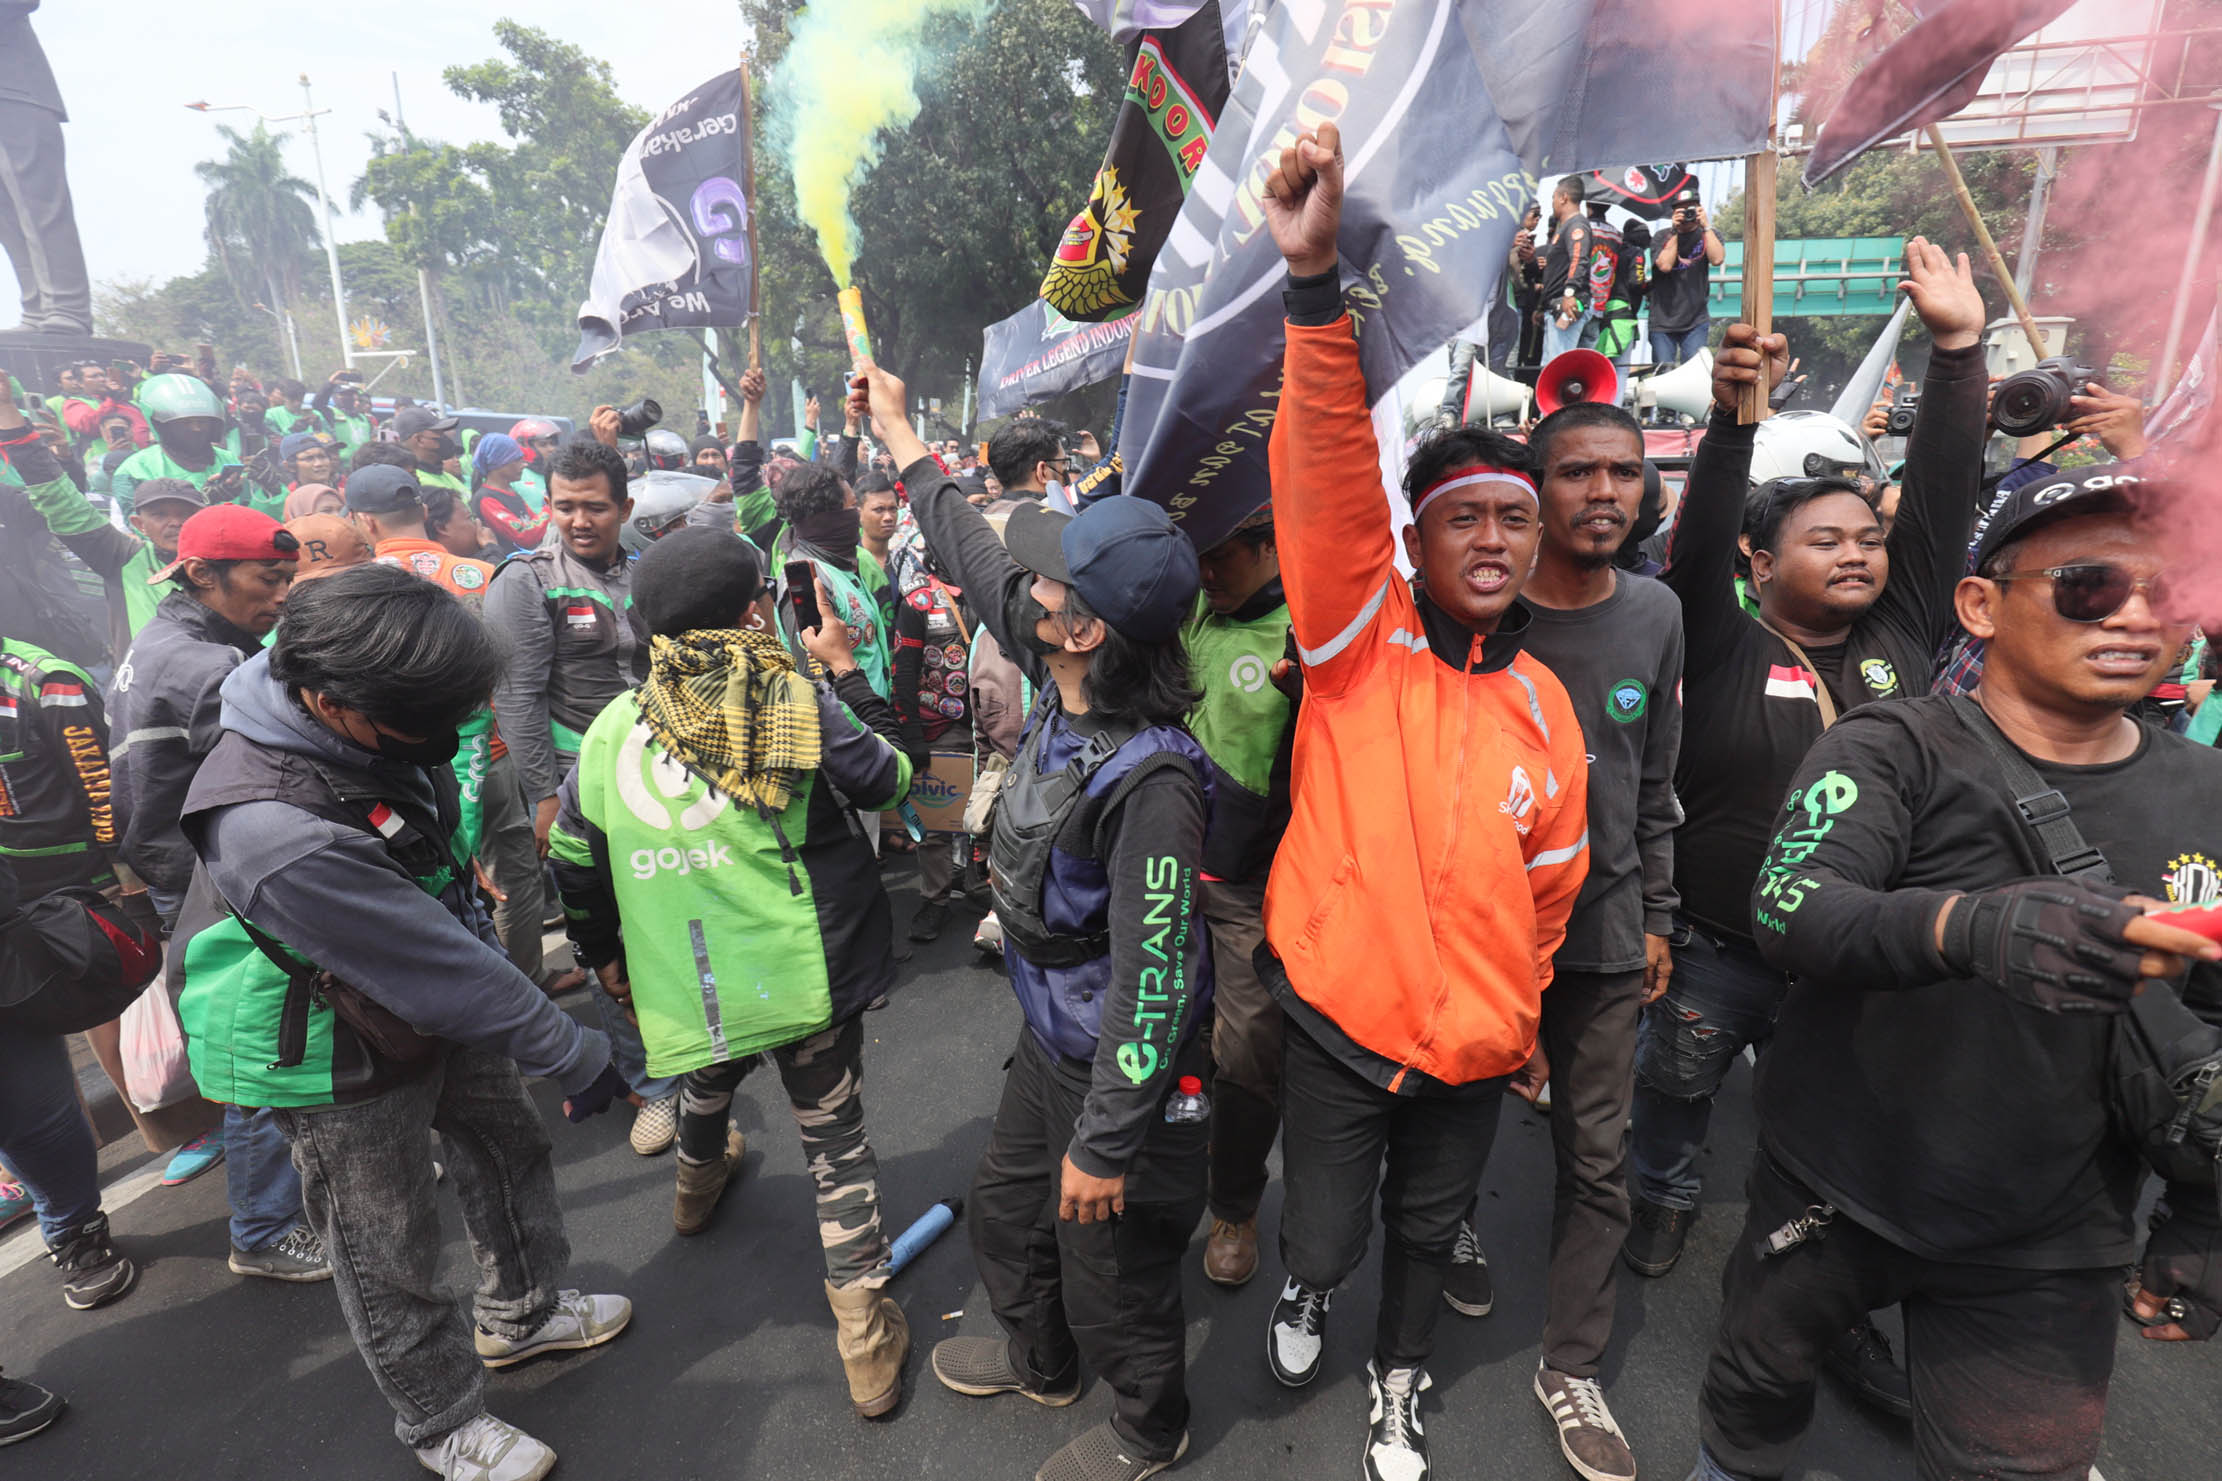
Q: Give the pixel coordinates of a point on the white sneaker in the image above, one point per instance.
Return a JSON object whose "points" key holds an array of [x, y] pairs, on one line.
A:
{"points": [[1396, 1441], [577, 1321], [487, 1449], [656, 1126]]}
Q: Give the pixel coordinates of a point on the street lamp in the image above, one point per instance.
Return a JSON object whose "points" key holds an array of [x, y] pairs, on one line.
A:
{"points": [[309, 115]]}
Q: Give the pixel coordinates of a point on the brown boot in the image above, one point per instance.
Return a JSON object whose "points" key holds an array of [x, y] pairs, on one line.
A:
{"points": [[1231, 1253], [702, 1184], [873, 1338]]}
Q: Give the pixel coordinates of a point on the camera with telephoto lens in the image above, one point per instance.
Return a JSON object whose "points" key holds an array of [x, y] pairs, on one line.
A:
{"points": [[2035, 399], [1903, 405], [635, 420]]}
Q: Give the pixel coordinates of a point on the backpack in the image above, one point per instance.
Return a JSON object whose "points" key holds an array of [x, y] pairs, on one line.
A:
{"points": [[73, 960]]}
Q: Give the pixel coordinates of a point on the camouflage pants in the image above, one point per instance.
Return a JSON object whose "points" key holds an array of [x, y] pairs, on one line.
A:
{"points": [[824, 1078]]}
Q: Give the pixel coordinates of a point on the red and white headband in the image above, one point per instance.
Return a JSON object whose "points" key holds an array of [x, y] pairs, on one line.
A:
{"points": [[1472, 476]]}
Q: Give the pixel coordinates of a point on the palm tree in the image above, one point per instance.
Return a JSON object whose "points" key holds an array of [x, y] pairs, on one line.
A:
{"points": [[260, 224]]}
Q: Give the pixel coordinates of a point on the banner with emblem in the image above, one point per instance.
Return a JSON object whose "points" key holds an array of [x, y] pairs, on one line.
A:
{"points": [[1038, 353], [1643, 190], [1179, 70]]}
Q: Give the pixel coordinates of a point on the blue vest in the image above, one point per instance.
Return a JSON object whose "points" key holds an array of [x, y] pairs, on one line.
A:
{"points": [[1063, 1004]]}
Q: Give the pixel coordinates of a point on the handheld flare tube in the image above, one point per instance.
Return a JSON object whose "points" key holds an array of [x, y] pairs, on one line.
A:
{"points": [[851, 300], [927, 1228]]}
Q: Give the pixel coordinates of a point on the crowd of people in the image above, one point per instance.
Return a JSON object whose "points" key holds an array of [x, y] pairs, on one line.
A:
{"points": [[1328, 836]]}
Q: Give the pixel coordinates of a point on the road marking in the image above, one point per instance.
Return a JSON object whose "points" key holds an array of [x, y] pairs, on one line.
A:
{"points": [[31, 1245]]}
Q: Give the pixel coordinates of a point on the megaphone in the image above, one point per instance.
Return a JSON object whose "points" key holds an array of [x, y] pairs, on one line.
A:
{"points": [[1577, 375], [1490, 396], [1686, 390]]}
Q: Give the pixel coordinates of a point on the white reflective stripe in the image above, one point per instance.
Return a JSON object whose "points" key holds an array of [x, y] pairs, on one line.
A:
{"points": [[151, 733], [1560, 855], [1535, 705], [62, 699], [1404, 637], [1314, 657]]}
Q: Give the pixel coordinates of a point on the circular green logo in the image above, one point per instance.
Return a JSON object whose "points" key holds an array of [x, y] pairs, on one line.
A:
{"points": [[1627, 699], [1878, 675]]}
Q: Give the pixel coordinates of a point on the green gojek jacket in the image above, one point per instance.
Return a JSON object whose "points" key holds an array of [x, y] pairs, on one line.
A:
{"points": [[1245, 725], [739, 931]]}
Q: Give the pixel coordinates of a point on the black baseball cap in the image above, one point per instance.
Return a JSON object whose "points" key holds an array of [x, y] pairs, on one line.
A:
{"points": [[411, 420], [1121, 553], [2103, 488], [695, 578], [381, 488]]}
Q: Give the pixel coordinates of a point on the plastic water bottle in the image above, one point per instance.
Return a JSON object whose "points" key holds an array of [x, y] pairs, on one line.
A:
{"points": [[1187, 1102]]}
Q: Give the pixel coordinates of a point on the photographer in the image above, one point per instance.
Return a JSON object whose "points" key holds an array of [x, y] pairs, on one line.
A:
{"points": [[339, 399], [1685, 260], [1935, 1112], [189, 424]]}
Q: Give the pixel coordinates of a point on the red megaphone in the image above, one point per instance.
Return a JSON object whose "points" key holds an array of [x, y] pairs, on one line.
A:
{"points": [[1577, 375]]}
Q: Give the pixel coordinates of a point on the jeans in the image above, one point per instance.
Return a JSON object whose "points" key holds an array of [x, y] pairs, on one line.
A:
{"points": [[259, 1176], [366, 1177], [1589, 1037], [513, 860], [1723, 997], [1107, 1292], [824, 1079], [1557, 341], [1673, 349], [1245, 1049], [44, 1137], [2009, 1367], [628, 1053], [1338, 1130]]}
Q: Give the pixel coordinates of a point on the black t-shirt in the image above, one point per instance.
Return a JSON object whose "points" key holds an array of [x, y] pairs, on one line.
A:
{"points": [[1568, 253], [1678, 293], [1749, 704], [1938, 1112]]}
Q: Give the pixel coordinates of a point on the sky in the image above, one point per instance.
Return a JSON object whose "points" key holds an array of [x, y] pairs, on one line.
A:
{"points": [[132, 144]]}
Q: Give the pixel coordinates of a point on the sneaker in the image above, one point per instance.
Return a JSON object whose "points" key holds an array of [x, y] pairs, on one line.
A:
{"points": [[1862, 1359], [1100, 1455], [487, 1449], [981, 1366], [932, 918], [1297, 1333], [577, 1321], [1466, 1283], [15, 1202], [656, 1126], [1231, 1253], [988, 938], [93, 1274], [194, 1158], [1588, 1435], [1396, 1443], [25, 1409], [298, 1257], [1655, 1236]]}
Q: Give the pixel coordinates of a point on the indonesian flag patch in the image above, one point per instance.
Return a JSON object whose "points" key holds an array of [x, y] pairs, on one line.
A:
{"points": [[1789, 681], [61, 692], [385, 820], [7, 707], [578, 614]]}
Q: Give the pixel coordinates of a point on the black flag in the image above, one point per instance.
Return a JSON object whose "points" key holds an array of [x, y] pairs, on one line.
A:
{"points": [[674, 251], [1644, 190], [1038, 353]]}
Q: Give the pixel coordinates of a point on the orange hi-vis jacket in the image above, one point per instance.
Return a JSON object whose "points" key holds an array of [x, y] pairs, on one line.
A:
{"points": [[464, 577], [1440, 830]]}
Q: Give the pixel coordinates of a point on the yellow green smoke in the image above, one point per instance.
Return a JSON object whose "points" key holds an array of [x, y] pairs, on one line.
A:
{"points": [[850, 72]]}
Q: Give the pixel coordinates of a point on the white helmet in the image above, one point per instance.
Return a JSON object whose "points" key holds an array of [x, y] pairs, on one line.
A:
{"points": [[1813, 444], [661, 498]]}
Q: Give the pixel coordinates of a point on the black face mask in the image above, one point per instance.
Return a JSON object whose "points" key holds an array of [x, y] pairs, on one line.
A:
{"points": [[436, 749], [1029, 636], [833, 531]]}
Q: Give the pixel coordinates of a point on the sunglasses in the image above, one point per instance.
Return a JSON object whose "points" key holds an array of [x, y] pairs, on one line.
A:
{"points": [[2093, 592]]}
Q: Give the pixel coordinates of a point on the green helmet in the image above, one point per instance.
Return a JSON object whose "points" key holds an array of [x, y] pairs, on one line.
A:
{"points": [[174, 398]]}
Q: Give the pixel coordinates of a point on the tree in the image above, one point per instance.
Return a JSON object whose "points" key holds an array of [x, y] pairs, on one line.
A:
{"points": [[259, 223]]}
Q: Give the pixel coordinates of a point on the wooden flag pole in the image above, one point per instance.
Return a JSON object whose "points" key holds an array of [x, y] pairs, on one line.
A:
{"points": [[1759, 235], [748, 188], [1983, 239]]}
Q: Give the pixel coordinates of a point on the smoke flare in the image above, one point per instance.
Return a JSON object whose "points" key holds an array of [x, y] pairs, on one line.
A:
{"points": [[850, 73]]}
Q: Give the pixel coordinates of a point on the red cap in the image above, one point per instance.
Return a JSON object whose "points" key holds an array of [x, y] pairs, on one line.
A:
{"points": [[1191, 1085], [230, 532]]}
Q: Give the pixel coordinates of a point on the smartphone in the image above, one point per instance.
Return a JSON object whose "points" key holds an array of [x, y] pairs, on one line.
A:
{"points": [[802, 595]]}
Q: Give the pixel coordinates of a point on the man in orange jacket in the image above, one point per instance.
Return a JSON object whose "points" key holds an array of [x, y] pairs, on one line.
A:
{"points": [[1439, 834]]}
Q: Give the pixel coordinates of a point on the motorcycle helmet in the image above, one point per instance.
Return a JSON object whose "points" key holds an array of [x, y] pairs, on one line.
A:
{"points": [[661, 499], [532, 430], [1813, 444], [667, 450]]}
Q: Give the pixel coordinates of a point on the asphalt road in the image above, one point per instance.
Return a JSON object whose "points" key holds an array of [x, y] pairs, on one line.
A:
{"points": [[729, 1371]]}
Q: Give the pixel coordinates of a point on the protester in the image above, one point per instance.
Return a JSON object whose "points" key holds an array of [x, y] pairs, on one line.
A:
{"points": [[933, 701], [430, 438], [313, 498], [188, 423], [1398, 1043], [823, 528], [1681, 288], [496, 465], [1631, 285], [327, 803], [1027, 456], [447, 521], [1566, 308], [339, 402], [1088, 1191], [707, 455], [1919, 898], [1237, 640], [41, 599], [575, 643], [329, 544], [789, 938], [306, 460]]}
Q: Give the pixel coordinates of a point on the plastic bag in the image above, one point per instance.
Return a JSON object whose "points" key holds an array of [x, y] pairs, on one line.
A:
{"points": [[152, 1043]]}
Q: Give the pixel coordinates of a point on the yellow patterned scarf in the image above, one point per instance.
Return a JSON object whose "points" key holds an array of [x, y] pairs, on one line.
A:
{"points": [[730, 705]]}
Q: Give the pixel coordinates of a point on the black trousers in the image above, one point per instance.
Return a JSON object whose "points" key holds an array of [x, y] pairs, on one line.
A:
{"points": [[1339, 1131], [1109, 1293], [38, 225], [2009, 1367]]}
